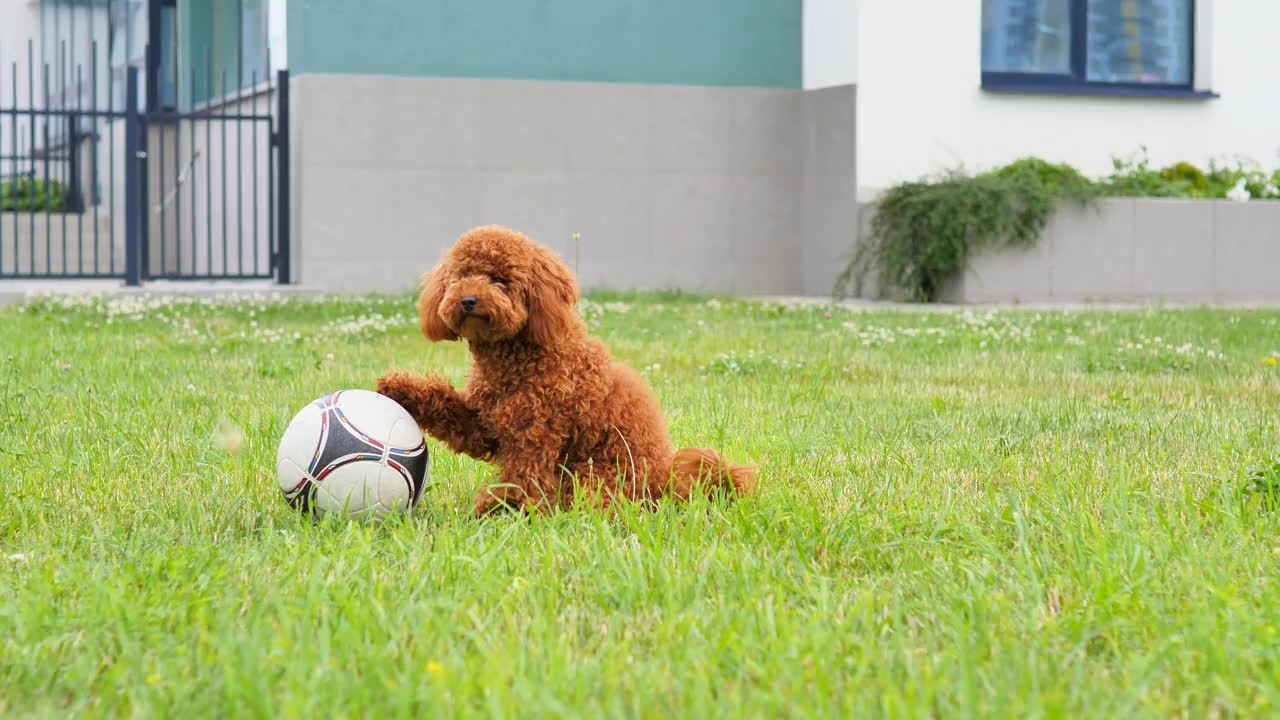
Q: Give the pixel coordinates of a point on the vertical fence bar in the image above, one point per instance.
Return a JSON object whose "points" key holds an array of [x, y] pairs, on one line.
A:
{"points": [[164, 260], [144, 188], [271, 170], [15, 164], [191, 171], [177, 171], [272, 152], [282, 152], [254, 126], [239, 110], [223, 171], [31, 150], [239, 182], [76, 171], [62, 191], [97, 191], [208, 161], [132, 181], [48, 191], [111, 166], [13, 131], [144, 168]]}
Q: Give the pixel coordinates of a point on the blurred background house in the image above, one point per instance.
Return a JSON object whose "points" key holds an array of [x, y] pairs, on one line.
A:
{"points": [[695, 144], [977, 83]]}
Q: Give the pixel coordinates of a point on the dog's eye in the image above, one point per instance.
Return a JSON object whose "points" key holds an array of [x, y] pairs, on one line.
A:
{"points": [[497, 280]]}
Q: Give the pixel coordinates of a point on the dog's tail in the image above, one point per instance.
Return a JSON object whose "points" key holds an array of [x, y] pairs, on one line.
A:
{"points": [[694, 468]]}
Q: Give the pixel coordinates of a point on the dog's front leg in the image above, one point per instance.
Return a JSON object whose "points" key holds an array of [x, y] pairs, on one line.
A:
{"points": [[441, 411], [530, 478]]}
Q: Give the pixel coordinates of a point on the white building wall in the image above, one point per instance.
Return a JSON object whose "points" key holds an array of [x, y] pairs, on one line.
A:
{"points": [[19, 20], [921, 109], [830, 43]]}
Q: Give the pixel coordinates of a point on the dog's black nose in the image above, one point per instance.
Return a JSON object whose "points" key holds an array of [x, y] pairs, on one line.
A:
{"points": [[469, 303]]}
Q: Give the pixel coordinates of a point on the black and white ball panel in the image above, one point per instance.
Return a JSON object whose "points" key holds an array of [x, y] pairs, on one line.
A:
{"points": [[353, 451]]}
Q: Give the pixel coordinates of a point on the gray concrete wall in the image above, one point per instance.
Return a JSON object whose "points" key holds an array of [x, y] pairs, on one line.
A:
{"points": [[744, 190], [829, 191], [1138, 249]]}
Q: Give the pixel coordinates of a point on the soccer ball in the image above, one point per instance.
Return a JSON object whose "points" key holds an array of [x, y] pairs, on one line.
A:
{"points": [[354, 452]]}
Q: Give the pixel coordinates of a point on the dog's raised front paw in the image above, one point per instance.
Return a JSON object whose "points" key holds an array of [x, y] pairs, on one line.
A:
{"points": [[397, 385]]}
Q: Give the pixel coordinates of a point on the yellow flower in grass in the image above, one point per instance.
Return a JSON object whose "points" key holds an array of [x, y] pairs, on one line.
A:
{"points": [[1270, 360], [434, 668]]}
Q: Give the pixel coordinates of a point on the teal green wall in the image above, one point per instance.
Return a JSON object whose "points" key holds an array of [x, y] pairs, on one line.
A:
{"points": [[690, 42], [208, 32]]}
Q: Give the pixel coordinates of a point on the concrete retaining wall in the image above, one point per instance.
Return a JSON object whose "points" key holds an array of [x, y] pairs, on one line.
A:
{"points": [[1138, 249], [744, 190]]}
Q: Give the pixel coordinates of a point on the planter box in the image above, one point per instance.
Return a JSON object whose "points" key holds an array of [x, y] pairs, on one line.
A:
{"points": [[1138, 249]]}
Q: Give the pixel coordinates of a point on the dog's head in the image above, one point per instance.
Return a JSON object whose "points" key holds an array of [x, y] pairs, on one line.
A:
{"points": [[495, 285]]}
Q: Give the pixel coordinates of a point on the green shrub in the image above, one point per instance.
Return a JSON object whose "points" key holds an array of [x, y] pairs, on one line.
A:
{"points": [[1189, 175], [1260, 185], [22, 195], [1136, 178]]}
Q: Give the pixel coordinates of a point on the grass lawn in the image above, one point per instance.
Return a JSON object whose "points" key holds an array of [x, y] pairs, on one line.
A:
{"points": [[977, 514]]}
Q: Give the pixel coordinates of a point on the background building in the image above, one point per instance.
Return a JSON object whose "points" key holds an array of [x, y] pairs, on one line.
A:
{"points": [[698, 144], [976, 83]]}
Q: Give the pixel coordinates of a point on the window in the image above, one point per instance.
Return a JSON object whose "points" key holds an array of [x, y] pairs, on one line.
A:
{"points": [[1102, 46]]}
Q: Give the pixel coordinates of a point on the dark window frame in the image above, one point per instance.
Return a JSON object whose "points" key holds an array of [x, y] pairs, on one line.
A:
{"points": [[1076, 81]]}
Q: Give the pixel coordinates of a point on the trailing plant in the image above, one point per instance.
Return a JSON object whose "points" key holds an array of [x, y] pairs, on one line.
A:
{"points": [[1058, 178], [923, 233]]}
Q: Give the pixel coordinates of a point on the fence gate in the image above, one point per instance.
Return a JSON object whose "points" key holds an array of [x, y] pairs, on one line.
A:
{"points": [[95, 182]]}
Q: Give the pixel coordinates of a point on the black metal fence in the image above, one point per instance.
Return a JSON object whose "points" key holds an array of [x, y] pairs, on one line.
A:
{"points": [[98, 184]]}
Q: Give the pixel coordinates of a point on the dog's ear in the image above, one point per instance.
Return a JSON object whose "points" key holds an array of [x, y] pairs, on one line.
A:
{"points": [[429, 300], [552, 294]]}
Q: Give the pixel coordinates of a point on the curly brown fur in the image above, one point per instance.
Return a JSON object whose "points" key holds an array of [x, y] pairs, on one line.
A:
{"points": [[543, 400]]}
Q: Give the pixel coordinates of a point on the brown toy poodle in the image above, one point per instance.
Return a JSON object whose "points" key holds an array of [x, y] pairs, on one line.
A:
{"points": [[543, 399]]}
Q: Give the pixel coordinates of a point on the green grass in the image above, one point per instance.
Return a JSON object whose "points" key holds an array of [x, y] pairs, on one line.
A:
{"points": [[1022, 514]]}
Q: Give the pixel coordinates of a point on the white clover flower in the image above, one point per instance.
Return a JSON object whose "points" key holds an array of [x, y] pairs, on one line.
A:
{"points": [[1239, 193]]}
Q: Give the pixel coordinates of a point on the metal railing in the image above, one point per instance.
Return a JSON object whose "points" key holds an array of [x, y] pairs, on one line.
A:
{"points": [[140, 194]]}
